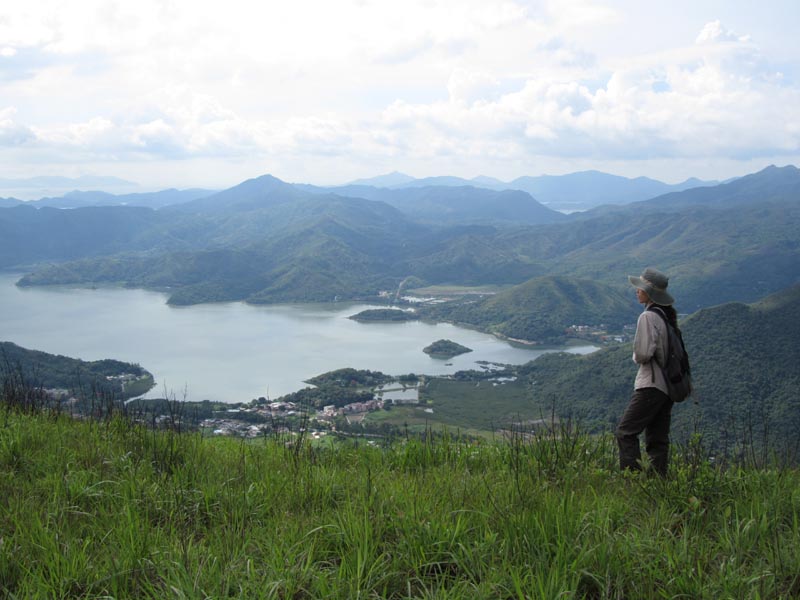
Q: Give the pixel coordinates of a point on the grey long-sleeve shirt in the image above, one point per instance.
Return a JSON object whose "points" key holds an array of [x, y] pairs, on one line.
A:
{"points": [[650, 343]]}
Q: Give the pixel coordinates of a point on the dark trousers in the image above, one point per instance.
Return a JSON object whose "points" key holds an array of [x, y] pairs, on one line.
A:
{"points": [[650, 410]]}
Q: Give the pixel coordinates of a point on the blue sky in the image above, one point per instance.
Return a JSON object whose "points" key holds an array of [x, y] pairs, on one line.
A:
{"points": [[179, 94]]}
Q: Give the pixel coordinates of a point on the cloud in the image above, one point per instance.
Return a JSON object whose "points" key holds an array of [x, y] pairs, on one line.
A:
{"points": [[469, 86], [719, 99], [359, 80], [405, 50], [714, 32], [11, 132]]}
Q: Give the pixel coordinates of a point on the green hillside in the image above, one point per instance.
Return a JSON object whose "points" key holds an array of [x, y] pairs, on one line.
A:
{"points": [[543, 308], [23, 368], [111, 509]]}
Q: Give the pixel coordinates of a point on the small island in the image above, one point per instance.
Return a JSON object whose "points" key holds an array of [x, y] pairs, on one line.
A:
{"points": [[445, 349], [394, 315]]}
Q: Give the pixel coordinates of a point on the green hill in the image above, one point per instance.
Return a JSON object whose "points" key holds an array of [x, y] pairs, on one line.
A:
{"points": [[445, 349], [33, 369], [543, 308]]}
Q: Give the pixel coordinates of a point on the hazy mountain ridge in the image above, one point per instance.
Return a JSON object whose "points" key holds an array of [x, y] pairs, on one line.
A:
{"points": [[770, 185], [269, 241], [570, 192], [451, 205]]}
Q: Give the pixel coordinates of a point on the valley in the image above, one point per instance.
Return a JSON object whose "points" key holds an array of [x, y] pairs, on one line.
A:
{"points": [[452, 255]]}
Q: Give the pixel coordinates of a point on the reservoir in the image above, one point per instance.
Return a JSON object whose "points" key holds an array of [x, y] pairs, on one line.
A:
{"points": [[232, 352]]}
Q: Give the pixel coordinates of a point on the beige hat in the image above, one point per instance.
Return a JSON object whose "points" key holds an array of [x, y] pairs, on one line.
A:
{"points": [[654, 283]]}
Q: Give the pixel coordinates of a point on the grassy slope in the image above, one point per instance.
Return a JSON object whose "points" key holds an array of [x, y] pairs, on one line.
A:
{"points": [[93, 509]]}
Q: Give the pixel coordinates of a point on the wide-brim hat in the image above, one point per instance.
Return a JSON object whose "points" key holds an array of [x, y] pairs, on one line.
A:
{"points": [[654, 283]]}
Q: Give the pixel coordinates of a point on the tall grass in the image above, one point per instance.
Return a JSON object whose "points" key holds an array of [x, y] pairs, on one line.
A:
{"points": [[114, 509]]}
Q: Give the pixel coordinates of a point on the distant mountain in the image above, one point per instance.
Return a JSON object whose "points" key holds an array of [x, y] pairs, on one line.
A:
{"points": [[489, 182], [33, 188], [455, 205], [713, 255], [744, 363], [29, 235], [254, 194], [277, 246], [566, 193], [444, 181], [772, 184], [9, 202], [543, 308], [466, 204], [84, 181], [587, 189], [267, 241], [389, 180], [77, 199]]}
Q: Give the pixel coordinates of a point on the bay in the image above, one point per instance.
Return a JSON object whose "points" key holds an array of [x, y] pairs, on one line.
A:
{"points": [[232, 352]]}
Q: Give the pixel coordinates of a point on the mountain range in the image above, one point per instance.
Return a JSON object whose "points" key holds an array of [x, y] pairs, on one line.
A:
{"points": [[266, 240], [568, 193], [565, 193]]}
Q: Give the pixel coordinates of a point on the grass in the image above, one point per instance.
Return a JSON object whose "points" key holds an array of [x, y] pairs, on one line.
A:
{"points": [[478, 408], [111, 509]]}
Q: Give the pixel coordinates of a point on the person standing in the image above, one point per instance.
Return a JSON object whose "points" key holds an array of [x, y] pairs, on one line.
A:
{"points": [[650, 408]]}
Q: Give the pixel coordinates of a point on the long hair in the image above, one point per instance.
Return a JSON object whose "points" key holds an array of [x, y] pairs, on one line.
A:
{"points": [[672, 314]]}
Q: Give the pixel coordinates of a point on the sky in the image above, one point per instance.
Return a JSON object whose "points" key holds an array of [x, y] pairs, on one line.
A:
{"points": [[200, 93]]}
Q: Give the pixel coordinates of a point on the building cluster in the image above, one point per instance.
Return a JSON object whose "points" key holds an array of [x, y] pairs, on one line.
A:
{"points": [[597, 333], [239, 421]]}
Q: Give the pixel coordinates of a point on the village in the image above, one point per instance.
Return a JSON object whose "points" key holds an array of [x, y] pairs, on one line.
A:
{"points": [[262, 416]]}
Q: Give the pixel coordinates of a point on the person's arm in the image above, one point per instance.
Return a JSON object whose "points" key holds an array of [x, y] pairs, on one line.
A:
{"points": [[644, 342]]}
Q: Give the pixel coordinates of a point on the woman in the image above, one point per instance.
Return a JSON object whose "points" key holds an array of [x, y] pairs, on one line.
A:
{"points": [[650, 409]]}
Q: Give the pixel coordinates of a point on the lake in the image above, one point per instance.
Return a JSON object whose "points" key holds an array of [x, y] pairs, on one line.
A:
{"points": [[231, 351]]}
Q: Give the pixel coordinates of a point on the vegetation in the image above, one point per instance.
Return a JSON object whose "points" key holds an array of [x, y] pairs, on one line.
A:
{"points": [[445, 349], [744, 364], [79, 378], [110, 508], [349, 377], [542, 309], [392, 315], [338, 388], [267, 241]]}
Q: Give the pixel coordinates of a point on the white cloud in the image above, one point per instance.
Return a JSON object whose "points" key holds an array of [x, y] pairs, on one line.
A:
{"points": [[431, 82], [11, 132], [713, 32], [722, 101]]}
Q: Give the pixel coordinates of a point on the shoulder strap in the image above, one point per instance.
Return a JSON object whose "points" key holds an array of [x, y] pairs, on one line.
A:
{"points": [[659, 311]]}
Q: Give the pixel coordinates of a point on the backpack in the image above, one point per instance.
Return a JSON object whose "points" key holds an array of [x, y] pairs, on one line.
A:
{"points": [[677, 372]]}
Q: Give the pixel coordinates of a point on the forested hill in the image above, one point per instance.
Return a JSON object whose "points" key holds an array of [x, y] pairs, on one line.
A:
{"points": [[768, 186], [33, 369], [745, 365], [464, 204], [543, 308]]}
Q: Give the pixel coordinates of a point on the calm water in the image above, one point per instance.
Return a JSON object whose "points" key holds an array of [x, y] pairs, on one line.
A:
{"points": [[231, 351]]}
